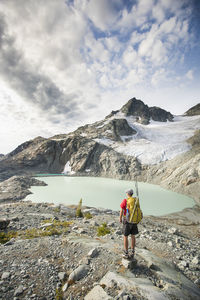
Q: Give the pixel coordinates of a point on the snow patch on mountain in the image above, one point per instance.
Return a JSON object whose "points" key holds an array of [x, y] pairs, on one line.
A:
{"points": [[68, 169], [156, 142]]}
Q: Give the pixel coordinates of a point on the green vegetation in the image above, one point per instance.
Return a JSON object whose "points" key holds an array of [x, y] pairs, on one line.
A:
{"points": [[57, 209], [56, 227], [6, 236], [88, 215], [79, 213], [35, 232], [59, 294], [103, 230]]}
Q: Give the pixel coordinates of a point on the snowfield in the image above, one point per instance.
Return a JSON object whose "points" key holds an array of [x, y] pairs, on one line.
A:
{"points": [[158, 141]]}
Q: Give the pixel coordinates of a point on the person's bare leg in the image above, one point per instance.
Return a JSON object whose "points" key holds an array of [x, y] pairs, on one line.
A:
{"points": [[133, 242], [126, 243]]}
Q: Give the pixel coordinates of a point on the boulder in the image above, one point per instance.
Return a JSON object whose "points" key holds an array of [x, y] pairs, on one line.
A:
{"points": [[4, 224], [5, 275], [93, 252], [78, 273]]}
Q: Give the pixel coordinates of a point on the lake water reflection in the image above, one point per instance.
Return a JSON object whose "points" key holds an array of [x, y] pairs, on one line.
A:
{"points": [[107, 193]]}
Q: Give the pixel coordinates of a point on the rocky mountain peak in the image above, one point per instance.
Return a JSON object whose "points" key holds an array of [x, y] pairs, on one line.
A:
{"points": [[144, 113], [135, 107], [193, 111]]}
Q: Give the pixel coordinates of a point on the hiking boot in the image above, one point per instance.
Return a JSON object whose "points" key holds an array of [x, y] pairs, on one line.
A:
{"points": [[125, 254]]}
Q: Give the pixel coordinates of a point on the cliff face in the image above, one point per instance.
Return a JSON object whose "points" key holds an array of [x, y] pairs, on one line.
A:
{"points": [[193, 111], [98, 150]]}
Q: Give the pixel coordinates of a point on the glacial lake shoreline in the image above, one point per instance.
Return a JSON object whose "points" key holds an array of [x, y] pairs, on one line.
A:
{"points": [[106, 193]]}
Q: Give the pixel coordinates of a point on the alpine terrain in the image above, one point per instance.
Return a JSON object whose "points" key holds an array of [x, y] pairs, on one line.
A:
{"points": [[137, 140], [60, 252]]}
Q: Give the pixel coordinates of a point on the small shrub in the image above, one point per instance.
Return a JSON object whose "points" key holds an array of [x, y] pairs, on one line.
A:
{"points": [[79, 213], [59, 294], [6, 236], [103, 230], [34, 232], [88, 215]]}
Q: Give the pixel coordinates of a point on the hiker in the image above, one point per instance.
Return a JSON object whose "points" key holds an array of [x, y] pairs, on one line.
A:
{"points": [[127, 207]]}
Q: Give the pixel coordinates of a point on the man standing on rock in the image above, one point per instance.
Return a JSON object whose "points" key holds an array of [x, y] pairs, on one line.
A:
{"points": [[128, 228]]}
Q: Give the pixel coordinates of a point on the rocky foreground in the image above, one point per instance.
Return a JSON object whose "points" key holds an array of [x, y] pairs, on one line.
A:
{"points": [[52, 254]]}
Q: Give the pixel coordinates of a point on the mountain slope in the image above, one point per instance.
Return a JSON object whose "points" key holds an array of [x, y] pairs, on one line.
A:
{"points": [[193, 111], [120, 146]]}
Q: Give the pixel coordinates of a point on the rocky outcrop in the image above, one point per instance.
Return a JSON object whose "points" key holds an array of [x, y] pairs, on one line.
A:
{"points": [[68, 260], [160, 115], [17, 188], [193, 111], [119, 127], [143, 113], [138, 109]]}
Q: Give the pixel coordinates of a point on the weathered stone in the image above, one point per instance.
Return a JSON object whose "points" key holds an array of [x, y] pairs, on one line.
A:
{"points": [[196, 261], [79, 273], [19, 290], [93, 252], [5, 275], [170, 244], [97, 293], [173, 230], [65, 287], [4, 224], [62, 276], [129, 264]]}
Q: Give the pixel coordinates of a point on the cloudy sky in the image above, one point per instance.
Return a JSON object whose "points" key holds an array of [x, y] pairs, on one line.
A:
{"points": [[67, 63]]}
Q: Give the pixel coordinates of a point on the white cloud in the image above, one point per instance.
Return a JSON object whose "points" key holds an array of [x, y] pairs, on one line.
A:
{"points": [[158, 76], [189, 74], [130, 57], [158, 13], [64, 68], [102, 13]]}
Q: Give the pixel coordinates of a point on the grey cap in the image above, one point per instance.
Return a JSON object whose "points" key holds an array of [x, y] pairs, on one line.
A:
{"points": [[130, 192]]}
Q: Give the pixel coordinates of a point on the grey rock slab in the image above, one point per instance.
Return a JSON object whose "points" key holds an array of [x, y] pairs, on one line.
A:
{"points": [[79, 273], [5, 275], [97, 293], [175, 282], [143, 285], [129, 264]]}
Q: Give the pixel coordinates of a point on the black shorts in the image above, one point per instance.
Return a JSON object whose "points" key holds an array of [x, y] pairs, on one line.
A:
{"points": [[129, 228]]}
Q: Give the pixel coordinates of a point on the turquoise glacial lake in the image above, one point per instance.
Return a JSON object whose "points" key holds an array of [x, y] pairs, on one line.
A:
{"points": [[107, 193]]}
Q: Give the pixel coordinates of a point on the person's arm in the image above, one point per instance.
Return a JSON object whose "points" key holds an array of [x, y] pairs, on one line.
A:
{"points": [[120, 217]]}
